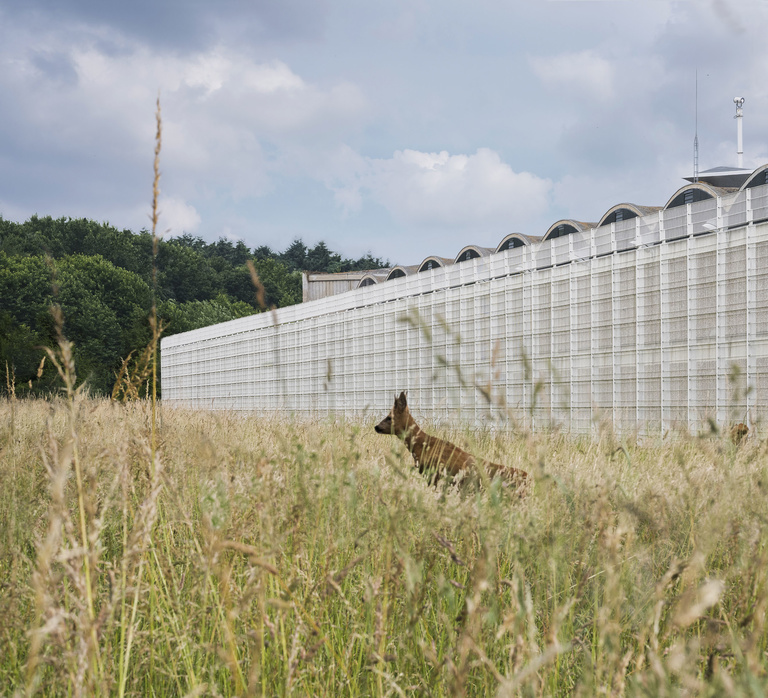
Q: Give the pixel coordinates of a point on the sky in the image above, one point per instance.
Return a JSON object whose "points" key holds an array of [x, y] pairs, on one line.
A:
{"points": [[403, 128]]}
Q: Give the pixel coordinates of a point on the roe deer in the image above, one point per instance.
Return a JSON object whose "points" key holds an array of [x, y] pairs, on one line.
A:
{"points": [[438, 457], [739, 433]]}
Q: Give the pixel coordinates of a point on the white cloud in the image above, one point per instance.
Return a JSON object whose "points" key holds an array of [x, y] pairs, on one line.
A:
{"points": [[450, 191], [348, 199], [583, 71], [177, 216], [272, 77], [230, 122], [263, 133], [267, 98]]}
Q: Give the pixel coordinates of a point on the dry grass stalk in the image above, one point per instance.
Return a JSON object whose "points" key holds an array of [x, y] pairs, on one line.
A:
{"points": [[261, 294], [263, 555], [268, 556]]}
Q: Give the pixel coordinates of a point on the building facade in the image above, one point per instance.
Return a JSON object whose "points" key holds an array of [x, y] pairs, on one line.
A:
{"points": [[650, 318]]}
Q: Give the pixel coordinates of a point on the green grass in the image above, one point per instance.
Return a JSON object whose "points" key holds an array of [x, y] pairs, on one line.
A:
{"points": [[264, 556]]}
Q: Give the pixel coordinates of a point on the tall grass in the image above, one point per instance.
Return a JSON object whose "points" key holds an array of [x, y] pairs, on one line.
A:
{"points": [[189, 553], [266, 556]]}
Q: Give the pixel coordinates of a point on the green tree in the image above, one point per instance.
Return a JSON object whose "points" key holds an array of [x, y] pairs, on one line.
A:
{"points": [[67, 236], [105, 311], [236, 282], [234, 255], [25, 285], [20, 353], [320, 258], [364, 263], [193, 242], [295, 257], [184, 274], [282, 288], [101, 277], [183, 317], [264, 252]]}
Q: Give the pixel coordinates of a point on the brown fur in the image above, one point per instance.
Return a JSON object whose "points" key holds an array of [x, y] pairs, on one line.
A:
{"points": [[739, 432], [437, 456]]}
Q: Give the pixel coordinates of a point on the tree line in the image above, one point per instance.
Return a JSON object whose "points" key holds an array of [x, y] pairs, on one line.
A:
{"points": [[102, 279]]}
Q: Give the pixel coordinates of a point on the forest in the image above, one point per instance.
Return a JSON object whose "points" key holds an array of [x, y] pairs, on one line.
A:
{"points": [[102, 279]]}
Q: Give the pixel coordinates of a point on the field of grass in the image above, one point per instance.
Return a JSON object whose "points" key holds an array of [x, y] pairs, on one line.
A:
{"points": [[265, 556]]}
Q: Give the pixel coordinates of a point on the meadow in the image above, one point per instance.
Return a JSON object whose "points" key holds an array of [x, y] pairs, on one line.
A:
{"points": [[155, 551], [151, 551]]}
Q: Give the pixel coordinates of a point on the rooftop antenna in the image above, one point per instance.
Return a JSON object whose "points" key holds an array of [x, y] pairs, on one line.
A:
{"points": [[696, 135], [739, 102]]}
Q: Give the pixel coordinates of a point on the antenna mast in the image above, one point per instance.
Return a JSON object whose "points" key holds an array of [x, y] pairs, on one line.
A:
{"points": [[739, 102], [696, 135]]}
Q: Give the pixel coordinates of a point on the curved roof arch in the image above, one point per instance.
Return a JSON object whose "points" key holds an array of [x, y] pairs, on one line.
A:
{"points": [[472, 252], [374, 276], [433, 262], [516, 240], [625, 212], [757, 178], [566, 227], [401, 270], [696, 191]]}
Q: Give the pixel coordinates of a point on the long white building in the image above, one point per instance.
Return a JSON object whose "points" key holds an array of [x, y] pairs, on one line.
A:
{"points": [[651, 318]]}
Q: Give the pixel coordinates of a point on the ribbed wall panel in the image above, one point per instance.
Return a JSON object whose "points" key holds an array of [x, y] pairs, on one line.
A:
{"points": [[648, 325]]}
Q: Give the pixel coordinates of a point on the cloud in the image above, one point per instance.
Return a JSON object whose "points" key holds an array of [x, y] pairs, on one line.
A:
{"points": [[267, 98], [364, 124], [219, 70], [439, 190], [725, 13], [348, 199], [580, 72], [81, 117], [177, 216], [180, 24]]}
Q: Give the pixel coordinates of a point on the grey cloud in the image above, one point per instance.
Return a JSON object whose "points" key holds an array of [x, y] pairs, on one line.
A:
{"points": [[55, 65], [364, 80], [182, 24], [725, 12]]}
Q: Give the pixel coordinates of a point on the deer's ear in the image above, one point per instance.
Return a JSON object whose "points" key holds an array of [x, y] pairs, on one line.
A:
{"points": [[402, 401]]}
